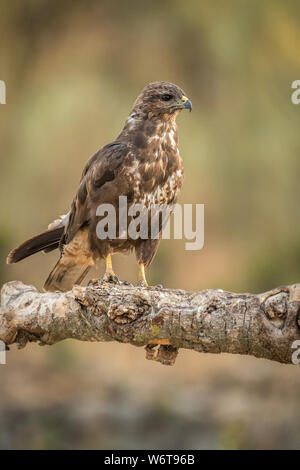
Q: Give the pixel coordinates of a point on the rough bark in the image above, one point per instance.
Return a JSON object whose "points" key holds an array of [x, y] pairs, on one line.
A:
{"points": [[163, 320]]}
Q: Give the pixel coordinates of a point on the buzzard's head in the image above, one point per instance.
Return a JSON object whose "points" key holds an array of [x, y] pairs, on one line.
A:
{"points": [[160, 99]]}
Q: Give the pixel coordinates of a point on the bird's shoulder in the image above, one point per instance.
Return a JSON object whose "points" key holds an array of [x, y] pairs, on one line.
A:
{"points": [[102, 168], [110, 156]]}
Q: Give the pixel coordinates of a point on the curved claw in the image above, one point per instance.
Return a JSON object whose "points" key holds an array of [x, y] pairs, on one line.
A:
{"points": [[109, 277], [143, 283]]}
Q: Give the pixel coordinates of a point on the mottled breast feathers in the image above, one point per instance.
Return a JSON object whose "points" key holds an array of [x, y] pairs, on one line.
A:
{"points": [[143, 164]]}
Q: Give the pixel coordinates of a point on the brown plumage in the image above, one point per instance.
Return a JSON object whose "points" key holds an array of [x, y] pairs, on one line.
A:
{"points": [[143, 163]]}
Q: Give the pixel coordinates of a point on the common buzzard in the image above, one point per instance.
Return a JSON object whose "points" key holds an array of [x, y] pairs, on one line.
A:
{"points": [[143, 164]]}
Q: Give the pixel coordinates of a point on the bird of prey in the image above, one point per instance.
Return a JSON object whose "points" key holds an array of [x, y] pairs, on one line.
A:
{"points": [[143, 164]]}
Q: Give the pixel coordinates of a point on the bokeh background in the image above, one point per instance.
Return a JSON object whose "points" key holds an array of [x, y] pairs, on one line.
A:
{"points": [[73, 70]]}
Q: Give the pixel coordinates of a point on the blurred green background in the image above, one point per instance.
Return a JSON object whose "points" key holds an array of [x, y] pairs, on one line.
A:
{"points": [[73, 70]]}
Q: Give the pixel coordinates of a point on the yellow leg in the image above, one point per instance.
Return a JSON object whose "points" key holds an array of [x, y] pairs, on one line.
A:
{"points": [[108, 276], [142, 278], [109, 268]]}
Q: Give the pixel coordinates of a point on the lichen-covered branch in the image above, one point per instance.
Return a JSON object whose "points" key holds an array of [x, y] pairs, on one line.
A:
{"points": [[163, 320]]}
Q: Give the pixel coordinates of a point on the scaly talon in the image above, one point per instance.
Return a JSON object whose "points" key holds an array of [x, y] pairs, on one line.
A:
{"points": [[109, 275], [142, 278]]}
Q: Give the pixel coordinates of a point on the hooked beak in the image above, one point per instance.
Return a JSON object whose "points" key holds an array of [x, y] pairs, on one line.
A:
{"points": [[186, 103]]}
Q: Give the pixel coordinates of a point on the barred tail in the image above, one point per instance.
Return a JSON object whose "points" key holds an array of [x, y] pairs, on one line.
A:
{"points": [[63, 276], [73, 264]]}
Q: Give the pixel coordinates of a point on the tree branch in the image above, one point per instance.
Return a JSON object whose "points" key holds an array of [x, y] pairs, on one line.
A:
{"points": [[164, 320]]}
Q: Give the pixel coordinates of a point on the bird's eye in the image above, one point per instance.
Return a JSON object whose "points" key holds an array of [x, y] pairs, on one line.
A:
{"points": [[166, 97]]}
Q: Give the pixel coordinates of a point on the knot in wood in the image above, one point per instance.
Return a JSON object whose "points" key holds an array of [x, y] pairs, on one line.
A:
{"points": [[276, 307], [127, 312]]}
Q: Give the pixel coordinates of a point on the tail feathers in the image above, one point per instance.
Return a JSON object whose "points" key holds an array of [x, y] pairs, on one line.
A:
{"points": [[46, 241], [74, 263], [64, 275]]}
